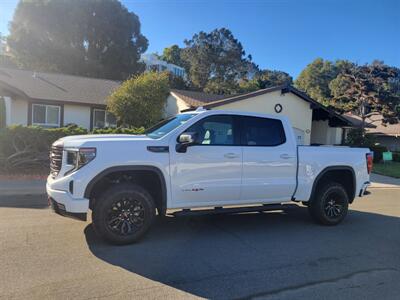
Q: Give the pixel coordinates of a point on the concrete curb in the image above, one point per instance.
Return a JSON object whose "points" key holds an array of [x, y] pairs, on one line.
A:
{"points": [[22, 187], [384, 182]]}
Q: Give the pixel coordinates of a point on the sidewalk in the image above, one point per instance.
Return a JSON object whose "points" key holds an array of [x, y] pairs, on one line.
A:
{"points": [[22, 187], [380, 181]]}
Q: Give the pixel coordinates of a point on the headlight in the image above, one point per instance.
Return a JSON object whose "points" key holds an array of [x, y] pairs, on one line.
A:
{"points": [[78, 158]]}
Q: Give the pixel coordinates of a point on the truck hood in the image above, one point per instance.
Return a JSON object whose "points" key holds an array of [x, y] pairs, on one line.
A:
{"points": [[79, 140]]}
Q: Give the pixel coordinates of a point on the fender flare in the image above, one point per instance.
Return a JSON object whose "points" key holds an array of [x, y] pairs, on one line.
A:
{"points": [[334, 168], [102, 174]]}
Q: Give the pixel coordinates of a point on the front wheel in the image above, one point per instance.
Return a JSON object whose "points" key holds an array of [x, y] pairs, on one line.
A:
{"points": [[123, 214], [330, 204]]}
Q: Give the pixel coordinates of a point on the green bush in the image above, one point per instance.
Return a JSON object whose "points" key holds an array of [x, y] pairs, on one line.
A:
{"points": [[356, 138], [396, 156], [140, 100], [26, 148], [119, 130], [378, 150], [2, 113]]}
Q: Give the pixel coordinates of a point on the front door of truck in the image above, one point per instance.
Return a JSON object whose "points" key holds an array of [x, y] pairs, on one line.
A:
{"points": [[209, 170], [269, 161]]}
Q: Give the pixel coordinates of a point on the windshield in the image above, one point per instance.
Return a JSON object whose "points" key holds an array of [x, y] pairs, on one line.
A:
{"points": [[165, 126]]}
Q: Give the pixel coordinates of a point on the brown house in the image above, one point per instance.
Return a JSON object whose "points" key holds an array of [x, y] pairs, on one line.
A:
{"points": [[385, 134]]}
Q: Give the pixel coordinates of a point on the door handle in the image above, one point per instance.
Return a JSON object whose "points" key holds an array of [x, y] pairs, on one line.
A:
{"points": [[230, 155], [286, 156]]}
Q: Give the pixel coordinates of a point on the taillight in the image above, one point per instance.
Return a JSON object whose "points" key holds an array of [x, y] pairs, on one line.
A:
{"points": [[369, 162]]}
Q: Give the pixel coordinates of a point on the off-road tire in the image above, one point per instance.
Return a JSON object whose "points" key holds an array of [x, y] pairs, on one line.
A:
{"points": [[126, 203], [330, 204]]}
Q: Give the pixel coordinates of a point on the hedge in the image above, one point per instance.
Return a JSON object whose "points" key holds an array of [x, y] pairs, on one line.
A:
{"points": [[26, 148], [378, 150], [119, 130], [396, 156], [2, 113]]}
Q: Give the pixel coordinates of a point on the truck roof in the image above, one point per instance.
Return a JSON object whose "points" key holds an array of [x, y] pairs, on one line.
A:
{"points": [[201, 110]]}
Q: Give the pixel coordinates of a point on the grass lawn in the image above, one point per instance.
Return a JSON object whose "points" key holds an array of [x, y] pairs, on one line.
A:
{"points": [[391, 169]]}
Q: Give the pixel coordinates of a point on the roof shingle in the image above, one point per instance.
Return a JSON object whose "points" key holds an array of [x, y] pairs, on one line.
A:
{"points": [[374, 124], [58, 87], [196, 99]]}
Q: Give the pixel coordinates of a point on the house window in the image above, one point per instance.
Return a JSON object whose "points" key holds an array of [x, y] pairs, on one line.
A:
{"points": [[46, 115], [102, 118]]}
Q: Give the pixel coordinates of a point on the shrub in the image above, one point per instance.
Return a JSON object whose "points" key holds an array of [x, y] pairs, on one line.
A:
{"points": [[2, 113], [355, 138], [23, 148], [26, 147], [119, 130], [140, 101], [378, 150], [396, 156]]}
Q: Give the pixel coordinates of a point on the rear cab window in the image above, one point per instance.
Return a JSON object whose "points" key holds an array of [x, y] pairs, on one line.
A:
{"points": [[257, 131]]}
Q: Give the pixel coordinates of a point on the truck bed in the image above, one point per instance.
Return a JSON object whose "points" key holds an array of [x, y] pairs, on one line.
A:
{"points": [[312, 160]]}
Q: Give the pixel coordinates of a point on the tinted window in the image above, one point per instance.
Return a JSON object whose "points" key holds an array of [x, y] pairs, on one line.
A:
{"points": [[214, 130], [262, 132]]}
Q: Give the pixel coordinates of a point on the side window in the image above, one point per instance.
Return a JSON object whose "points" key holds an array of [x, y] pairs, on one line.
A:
{"points": [[262, 132], [214, 130]]}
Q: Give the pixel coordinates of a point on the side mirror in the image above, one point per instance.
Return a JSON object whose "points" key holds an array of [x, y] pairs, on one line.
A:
{"points": [[185, 140]]}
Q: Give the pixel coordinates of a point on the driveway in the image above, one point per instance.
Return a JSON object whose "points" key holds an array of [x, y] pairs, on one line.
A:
{"points": [[276, 255]]}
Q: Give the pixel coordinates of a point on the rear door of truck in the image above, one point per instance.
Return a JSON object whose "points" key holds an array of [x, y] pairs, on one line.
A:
{"points": [[269, 159]]}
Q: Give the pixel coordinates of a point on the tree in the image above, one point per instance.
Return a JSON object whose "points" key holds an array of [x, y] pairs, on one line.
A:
{"points": [[366, 90], [96, 38], [140, 101], [6, 59], [172, 55], [215, 60], [177, 82], [356, 137], [2, 113], [315, 79], [265, 79], [218, 86], [271, 78]]}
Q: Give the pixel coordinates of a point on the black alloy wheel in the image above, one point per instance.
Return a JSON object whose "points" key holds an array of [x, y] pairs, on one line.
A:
{"points": [[123, 214], [333, 205], [329, 204], [126, 216]]}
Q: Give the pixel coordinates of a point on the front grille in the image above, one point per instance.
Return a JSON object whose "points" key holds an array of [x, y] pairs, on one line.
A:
{"points": [[56, 154]]}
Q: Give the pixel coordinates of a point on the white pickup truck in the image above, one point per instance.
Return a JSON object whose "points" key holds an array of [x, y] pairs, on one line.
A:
{"points": [[201, 162]]}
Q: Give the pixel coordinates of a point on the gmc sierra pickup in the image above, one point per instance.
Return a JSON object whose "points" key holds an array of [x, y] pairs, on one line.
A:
{"points": [[201, 162]]}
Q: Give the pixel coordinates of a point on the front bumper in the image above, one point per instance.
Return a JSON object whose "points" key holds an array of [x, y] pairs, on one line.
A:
{"points": [[64, 204], [60, 209]]}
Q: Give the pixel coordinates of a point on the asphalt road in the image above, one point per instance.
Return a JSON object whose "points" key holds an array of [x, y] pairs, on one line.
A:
{"points": [[276, 255]]}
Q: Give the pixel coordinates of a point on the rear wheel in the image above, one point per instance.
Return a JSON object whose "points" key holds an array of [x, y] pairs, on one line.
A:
{"points": [[330, 204], [123, 214]]}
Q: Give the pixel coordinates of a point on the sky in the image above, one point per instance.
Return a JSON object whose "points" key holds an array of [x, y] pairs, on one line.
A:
{"points": [[279, 34]]}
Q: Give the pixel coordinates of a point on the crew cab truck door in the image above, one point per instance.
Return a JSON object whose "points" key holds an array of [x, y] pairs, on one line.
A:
{"points": [[209, 170], [269, 160]]}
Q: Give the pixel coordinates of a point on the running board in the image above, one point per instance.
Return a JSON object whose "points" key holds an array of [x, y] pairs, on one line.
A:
{"points": [[233, 210]]}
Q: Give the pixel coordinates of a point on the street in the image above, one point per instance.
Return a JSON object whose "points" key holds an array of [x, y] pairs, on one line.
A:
{"points": [[273, 255]]}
